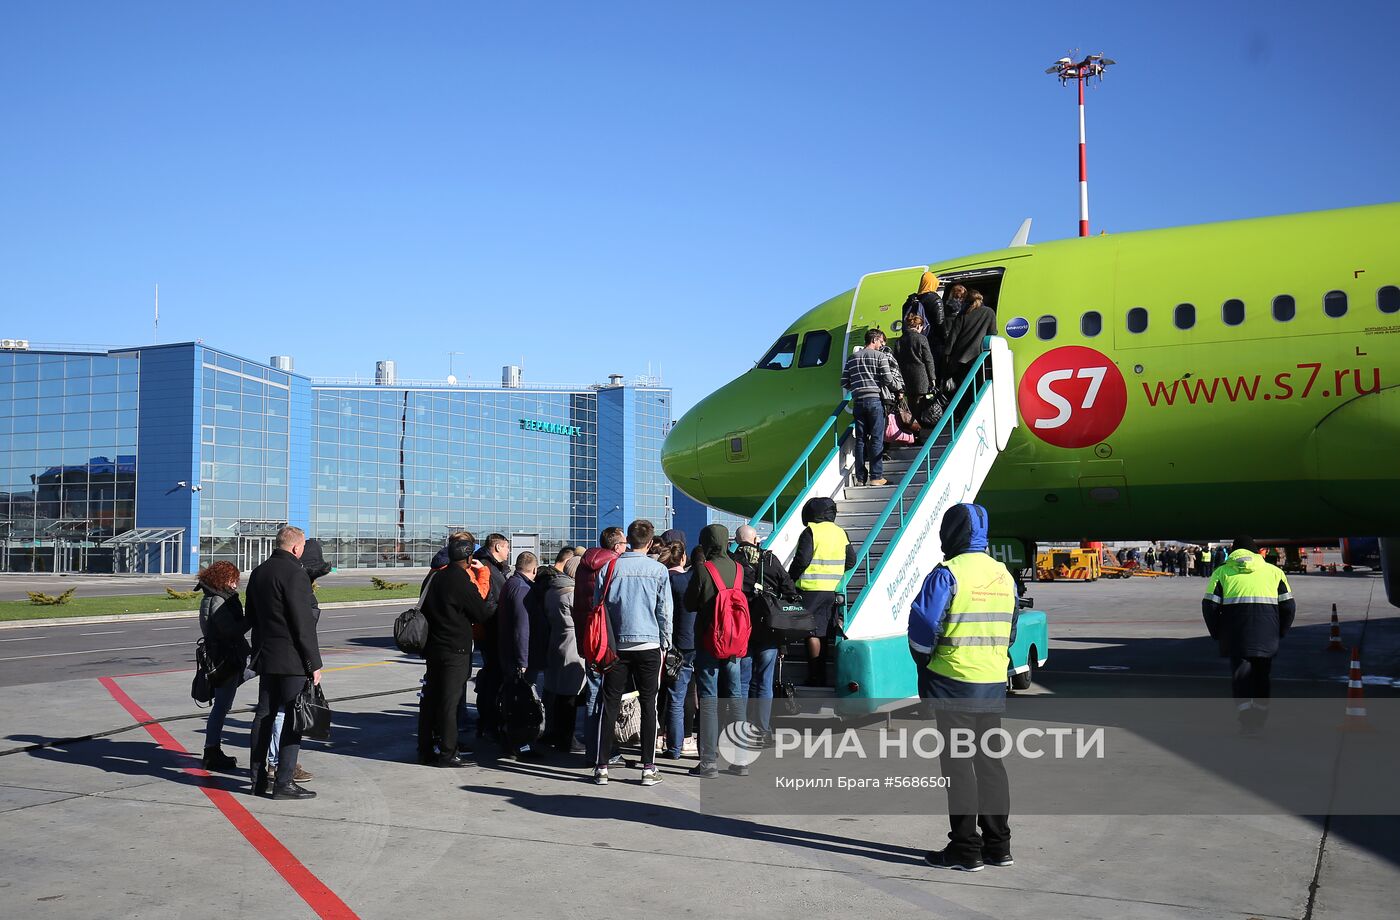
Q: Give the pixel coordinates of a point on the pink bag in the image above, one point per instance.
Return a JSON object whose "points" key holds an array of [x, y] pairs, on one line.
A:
{"points": [[894, 434]]}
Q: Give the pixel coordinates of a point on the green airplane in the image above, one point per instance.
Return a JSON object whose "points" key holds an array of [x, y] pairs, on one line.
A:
{"points": [[1203, 380]]}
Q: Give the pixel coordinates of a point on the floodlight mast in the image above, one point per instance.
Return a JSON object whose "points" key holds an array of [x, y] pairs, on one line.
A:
{"points": [[1066, 69]]}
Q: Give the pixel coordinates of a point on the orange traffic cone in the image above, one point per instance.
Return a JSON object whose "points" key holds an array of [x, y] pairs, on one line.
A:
{"points": [[1355, 720], [1334, 642]]}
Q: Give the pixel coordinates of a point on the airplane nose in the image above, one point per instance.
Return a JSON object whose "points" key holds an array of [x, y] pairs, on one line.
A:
{"points": [[680, 457]]}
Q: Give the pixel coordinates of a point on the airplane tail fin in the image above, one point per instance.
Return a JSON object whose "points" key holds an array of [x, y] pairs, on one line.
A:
{"points": [[1023, 235]]}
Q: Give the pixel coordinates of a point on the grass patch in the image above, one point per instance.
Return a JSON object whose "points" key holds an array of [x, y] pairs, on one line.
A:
{"points": [[161, 603]]}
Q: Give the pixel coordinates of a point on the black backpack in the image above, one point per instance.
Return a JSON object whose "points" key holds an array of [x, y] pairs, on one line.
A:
{"points": [[411, 627]]}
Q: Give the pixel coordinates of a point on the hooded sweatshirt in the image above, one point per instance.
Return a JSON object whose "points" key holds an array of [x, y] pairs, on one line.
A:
{"points": [[701, 593], [594, 561], [815, 511], [963, 530]]}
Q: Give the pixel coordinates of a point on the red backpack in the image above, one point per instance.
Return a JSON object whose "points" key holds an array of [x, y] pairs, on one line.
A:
{"points": [[729, 633], [599, 647]]}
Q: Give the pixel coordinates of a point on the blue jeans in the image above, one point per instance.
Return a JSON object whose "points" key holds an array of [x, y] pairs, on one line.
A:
{"points": [[586, 722], [756, 683], [276, 738], [675, 699], [713, 679], [223, 702], [870, 437]]}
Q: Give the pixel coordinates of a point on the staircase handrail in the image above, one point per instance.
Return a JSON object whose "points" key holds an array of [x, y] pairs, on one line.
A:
{"points": [[803, 462], [896, 499]]}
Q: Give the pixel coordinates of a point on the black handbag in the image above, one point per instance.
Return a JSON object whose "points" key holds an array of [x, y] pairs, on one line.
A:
{"points": [[522, 712], [671, 667], [201, 690], [215, 665], [787, 616], [311, 714]]}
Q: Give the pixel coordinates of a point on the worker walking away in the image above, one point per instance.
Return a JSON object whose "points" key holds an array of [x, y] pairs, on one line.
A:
{"points": [[824, 554], [961, 625], [1248, 608]]}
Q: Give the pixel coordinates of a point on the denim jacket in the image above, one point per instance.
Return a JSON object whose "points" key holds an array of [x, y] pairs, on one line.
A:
{"points": [[639, 599]]}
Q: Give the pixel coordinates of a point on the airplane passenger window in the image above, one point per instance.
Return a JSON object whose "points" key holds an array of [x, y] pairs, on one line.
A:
{"points": [[779, 357], [1091, 324], [1334, 304], [1137, 319], [1185, 315], [816, 348], [1045, 328], [1232, 312], [1284, 308], [1388, 299]]}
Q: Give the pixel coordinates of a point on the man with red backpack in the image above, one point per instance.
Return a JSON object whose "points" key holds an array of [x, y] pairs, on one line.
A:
{"points": [[634, 591], [722, 627], [612, 542]]}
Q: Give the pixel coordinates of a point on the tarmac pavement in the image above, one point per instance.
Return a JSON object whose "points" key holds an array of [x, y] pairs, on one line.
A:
{"points": [[116, 826]]}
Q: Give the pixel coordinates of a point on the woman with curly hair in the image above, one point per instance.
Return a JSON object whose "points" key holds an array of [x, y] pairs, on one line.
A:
{"points": [[224, 626]]}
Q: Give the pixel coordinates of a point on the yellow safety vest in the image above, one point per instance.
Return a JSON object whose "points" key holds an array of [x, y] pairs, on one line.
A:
{"points": [[828, 564], [977, 630]]}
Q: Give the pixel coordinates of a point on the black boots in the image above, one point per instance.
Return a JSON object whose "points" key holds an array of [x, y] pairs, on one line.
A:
{"points": [[215, 759], [290, 790]]}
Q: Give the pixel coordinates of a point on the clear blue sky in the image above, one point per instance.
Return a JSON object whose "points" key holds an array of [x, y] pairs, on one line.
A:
{"points": [[596, 187]]}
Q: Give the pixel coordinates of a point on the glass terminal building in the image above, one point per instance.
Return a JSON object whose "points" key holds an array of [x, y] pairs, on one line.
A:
{"points": [[167, 458]]}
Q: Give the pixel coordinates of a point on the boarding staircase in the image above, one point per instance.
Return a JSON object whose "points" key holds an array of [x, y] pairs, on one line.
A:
{"points": [[894, 526]]}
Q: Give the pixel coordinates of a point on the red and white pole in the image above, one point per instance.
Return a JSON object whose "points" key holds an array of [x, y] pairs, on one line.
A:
{"points": [[1083, 164]]}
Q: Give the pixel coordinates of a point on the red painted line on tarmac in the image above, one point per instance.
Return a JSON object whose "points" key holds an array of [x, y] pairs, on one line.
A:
{"points": [[311, 889]]}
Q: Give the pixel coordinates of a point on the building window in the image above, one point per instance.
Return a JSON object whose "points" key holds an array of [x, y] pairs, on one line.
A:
{"points": [[1137, 319], [1285, 308], [1045, 328], [1388, 299], [779, 357], [1334, 304], [1232, 312], [1185, 315], [1091, 324], [816, 348]]}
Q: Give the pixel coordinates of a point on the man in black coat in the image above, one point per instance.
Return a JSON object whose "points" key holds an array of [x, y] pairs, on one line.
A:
{"points": [[286, 653], [492, 554], [451, 605]]}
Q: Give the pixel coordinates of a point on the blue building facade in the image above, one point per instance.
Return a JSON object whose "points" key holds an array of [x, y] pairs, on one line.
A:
{"points": [[201, 455]]}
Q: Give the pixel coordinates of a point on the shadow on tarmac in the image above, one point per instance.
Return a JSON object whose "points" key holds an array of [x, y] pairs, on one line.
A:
{"points": [[670, 818], [138, 758], [1302, 656]]}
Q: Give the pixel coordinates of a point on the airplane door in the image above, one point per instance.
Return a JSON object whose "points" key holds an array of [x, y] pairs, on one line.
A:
{"points": [[877, 302]]}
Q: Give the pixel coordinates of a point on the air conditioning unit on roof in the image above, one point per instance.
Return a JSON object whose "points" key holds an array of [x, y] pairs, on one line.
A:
{"points": [[14, 344]]}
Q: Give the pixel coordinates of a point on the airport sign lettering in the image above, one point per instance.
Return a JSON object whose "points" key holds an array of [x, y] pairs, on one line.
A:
{"points": [[568, 431]]}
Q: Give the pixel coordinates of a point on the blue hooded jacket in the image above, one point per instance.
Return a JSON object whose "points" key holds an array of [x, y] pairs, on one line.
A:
{"points": [[963, 530]]}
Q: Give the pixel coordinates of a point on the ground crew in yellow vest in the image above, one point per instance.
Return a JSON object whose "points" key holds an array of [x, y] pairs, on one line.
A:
{"points": [[1248, 608], [961, 627], [824, 554]]}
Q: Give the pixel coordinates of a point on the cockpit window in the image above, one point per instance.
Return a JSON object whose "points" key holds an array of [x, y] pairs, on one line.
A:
{"points": [[816, 348], [779, 357]]}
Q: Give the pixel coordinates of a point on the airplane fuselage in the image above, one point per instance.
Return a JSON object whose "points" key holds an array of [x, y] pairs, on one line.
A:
{"points": [[1212, 379]]}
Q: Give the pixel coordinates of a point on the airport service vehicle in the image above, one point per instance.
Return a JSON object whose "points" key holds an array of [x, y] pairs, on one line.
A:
{"points": [[1071, 564], [1186, 380]]}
